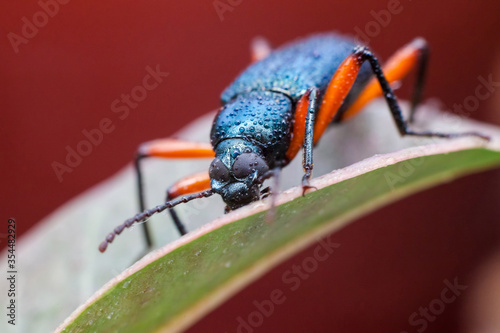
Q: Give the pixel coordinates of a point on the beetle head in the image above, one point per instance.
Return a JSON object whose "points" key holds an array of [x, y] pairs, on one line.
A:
{"points": [[235, 172]]}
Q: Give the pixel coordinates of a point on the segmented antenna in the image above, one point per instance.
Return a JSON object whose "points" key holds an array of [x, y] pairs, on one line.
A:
{"points": [[147, 213]]}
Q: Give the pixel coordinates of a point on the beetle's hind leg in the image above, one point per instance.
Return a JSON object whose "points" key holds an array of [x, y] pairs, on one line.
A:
{"points": [[364, 54], [167, 148], [413, 55], [341, 83]]}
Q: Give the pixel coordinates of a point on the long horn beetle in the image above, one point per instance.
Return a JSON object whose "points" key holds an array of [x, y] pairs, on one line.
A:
{"points": [[282, 102]]}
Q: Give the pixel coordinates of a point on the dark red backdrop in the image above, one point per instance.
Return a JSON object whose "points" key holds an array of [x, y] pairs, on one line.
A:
{"points": [[64, 79]]}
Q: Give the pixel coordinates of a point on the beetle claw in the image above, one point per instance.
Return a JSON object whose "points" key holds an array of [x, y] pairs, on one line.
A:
{"points": [[305, 188]]}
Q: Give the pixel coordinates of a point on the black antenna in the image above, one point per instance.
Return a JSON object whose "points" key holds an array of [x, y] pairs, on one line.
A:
{"points": [[147, 213]]}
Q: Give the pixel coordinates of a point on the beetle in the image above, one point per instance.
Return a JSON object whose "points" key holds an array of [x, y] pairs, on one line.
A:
{"points": [[282, 102]]}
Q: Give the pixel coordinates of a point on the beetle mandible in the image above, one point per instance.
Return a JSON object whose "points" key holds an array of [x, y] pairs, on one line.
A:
{"points": [[282, 102]]}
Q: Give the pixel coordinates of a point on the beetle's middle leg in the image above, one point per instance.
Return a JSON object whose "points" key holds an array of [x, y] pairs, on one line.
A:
{"points": [[169, 148]]}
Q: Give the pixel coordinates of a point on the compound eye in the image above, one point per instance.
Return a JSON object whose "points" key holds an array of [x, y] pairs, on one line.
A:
{"points": [[218, 171], [247, 163]]}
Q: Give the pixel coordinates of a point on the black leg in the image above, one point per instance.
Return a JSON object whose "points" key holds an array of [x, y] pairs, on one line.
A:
{"points": [[307, 159], [142, 206], [178, 223], [423, 59], [364, 54]]}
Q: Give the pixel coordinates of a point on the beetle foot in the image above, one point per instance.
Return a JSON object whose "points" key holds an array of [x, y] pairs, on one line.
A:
{"points": [[306, 186]]}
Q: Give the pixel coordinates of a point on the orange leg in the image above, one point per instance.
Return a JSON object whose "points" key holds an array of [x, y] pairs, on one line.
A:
{"points": [[396, 68], [299, 127], [336, 92], [172, 148], [195, 183], [342, 82]]}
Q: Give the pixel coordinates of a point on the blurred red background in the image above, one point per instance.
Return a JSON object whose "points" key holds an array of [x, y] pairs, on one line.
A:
{"points": [[64, 79]]}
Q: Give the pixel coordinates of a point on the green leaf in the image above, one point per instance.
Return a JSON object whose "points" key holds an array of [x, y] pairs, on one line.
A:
{"points": [[173, 287]]}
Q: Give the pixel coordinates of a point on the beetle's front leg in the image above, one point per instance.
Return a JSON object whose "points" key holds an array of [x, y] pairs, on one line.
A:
{"points": [[166, 148], [307, 158], [187, 185], [303, 134]]}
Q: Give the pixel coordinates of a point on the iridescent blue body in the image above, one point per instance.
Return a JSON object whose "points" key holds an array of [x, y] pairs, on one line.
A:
{"points": [[258, 109]]}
